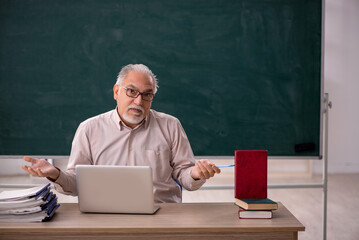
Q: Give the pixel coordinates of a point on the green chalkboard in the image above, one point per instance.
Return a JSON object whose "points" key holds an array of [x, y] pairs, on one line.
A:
{"points": [[239, 74]]}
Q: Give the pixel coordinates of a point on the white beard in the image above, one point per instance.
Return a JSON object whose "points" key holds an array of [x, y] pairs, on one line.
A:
{"points": [[134, 119]]}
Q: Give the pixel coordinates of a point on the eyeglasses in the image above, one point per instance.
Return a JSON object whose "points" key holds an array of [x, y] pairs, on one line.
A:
{"points": [[146, 96]]}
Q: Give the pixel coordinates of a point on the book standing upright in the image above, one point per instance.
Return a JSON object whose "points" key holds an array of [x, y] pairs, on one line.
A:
{"points": [[250, 174]]}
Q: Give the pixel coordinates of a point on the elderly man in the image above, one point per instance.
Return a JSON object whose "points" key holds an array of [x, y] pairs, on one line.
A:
{"points": [[135, 135]]}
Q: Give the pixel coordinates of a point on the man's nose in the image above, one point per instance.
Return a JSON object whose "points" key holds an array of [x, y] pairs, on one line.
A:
{"points": [[138, 100]]}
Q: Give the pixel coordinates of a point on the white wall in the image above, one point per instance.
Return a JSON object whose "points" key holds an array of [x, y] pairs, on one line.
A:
{"points": [[341, 82]]}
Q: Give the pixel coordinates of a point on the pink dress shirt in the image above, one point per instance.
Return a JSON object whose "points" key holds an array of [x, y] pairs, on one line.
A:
{"points": [[159, 141]]}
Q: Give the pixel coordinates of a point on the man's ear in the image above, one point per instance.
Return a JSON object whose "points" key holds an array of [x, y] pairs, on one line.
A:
{"points": [[116, 90]]}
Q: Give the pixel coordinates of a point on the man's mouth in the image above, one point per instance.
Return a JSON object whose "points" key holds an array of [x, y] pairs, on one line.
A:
{"points": [[135, 111]]}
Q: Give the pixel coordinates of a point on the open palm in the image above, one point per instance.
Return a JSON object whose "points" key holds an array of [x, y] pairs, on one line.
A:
{"points": [[40, 168]]}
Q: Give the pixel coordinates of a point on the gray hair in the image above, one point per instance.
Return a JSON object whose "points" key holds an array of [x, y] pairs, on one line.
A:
{"points": [[138, 68]]}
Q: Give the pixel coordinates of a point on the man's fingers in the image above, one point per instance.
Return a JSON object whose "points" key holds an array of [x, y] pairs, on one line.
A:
{"points": [[216, 169], [29, 170], [30, 159], [204, 169], [200, 170], [25, 168], [210, 167], [32, 171]]}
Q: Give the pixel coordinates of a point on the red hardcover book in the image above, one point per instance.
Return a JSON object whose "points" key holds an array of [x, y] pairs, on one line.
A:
{"points": [[250, 174]]}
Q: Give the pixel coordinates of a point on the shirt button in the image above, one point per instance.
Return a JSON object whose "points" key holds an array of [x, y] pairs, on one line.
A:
{"points": [[130, 148]]}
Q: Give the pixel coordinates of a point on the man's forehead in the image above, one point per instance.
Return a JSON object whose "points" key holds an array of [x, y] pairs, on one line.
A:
{"points": [[146, 88], [139, 81]]}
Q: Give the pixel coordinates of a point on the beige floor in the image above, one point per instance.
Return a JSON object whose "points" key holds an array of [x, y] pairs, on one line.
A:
{"points": [[305, 204]]}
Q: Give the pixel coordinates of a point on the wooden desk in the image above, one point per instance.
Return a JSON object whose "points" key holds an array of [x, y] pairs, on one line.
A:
{"points": [[172, 221]]}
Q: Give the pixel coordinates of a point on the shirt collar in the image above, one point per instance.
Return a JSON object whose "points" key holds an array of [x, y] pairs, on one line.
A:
{"points": [[116, 119]]}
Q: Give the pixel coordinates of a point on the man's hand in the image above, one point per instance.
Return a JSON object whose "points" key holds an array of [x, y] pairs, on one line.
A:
{"points": [[204, 169], [41, 168]]}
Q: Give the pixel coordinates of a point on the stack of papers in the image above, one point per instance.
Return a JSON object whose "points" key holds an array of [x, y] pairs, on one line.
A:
{"points": [[37, 204]]}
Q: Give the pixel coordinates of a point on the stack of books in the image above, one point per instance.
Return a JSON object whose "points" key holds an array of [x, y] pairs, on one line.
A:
{"points": [[256, 208], [251, 185], [37, 204]]}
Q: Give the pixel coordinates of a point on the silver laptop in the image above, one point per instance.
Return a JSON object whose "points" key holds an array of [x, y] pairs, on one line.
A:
{"points": [[115, 189]]}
